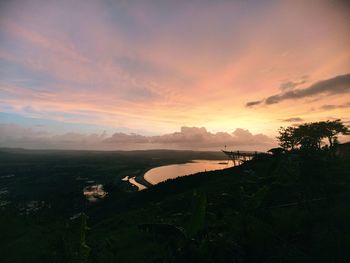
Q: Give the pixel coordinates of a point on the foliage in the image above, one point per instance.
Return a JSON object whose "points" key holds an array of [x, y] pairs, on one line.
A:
{"points": [[309, 136], [196, 223], [291, 207], [287, 139], [84, 249]]}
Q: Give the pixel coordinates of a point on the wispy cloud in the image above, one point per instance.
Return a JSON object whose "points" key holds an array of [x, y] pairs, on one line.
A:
{"points": [[295, 119], [333, 86], [139, 64], [334, 106], [254, 103], [290, 84]]}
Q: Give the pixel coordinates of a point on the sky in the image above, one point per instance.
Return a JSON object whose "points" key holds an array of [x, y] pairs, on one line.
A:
{"points": [[169, 74]]}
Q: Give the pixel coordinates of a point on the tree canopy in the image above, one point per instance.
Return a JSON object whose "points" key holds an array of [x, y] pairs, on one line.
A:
{"points": [[311, 135]]}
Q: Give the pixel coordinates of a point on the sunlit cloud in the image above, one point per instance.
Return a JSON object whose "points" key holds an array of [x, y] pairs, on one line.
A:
{"points": [[12, 135], [153, 67]]}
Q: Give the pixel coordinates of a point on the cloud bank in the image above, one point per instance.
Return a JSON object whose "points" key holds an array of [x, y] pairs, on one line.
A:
{"points": [[189, 138]]}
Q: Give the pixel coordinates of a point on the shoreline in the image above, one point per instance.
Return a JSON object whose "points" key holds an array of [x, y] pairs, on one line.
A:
{"points": [[140, 179]]}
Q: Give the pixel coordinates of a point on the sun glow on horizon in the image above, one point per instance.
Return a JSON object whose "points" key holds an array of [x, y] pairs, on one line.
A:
{"points": [[152, 68]]}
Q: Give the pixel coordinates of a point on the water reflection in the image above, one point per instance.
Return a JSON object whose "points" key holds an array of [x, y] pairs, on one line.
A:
{"points": [[162, 173]]}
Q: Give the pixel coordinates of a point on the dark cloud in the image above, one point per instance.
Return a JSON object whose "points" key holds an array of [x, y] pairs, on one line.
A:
{"points": [[288, 85], [332, 106], [296, 119], [337, 85], [253, 103]]}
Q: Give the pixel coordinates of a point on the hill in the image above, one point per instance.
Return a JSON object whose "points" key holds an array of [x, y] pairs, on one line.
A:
{"points": [[287, 208]]}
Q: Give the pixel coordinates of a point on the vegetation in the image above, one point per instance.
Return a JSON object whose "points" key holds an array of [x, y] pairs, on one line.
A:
{"points": [[309, 136], [287, 207]]}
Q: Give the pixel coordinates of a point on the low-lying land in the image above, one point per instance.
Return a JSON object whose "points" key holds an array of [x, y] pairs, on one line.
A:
{"points": [[286, 208]]}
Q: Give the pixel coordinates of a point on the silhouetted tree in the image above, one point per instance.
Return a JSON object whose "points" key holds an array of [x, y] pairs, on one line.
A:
{"points": [[287, 139], [332, 128], [310, 135]]}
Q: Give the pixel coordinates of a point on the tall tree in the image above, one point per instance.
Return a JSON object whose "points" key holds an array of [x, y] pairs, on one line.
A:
{"points": [[287, 139], [332, 129], [310, 135]]}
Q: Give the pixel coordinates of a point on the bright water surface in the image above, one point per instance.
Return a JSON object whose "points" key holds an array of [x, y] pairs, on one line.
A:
{"points": [[163, 173]]}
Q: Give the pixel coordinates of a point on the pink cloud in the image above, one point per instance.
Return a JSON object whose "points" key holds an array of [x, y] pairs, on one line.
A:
{"points": [[161, 66], [189, 138]]}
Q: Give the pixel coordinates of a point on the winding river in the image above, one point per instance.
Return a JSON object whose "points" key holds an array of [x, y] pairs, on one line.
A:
{"points": [[163, 173]]}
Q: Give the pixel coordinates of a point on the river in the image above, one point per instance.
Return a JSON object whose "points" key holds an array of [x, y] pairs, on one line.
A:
{"points": [[163, 173]]}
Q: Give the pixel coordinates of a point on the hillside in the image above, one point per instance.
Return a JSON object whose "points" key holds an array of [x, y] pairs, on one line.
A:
{"points": [[288, 208], [268, 210]]}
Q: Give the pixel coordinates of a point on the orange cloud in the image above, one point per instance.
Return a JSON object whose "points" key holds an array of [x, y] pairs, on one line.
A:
{"points": [[159, 67]]}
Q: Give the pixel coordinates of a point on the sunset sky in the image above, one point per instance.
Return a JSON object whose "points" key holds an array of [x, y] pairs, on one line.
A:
{"points": [[169, 74]]}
